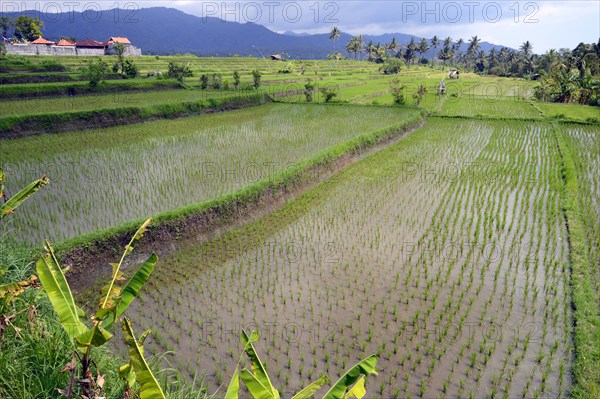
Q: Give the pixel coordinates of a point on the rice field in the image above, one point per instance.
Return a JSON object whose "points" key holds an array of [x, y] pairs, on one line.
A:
{"points": [[104, 177], [446, 255], [60, 105]]}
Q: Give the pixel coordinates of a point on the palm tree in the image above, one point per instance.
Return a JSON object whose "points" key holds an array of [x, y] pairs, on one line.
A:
{"points": [[355, 45], [360, 43], [393, 46], [334, 35], [422, 48], [473, 49], [526, 51], [435, 43], [447, 52], [526, 48], [457, 47], [351, 47], [411, 49], [370, 50]]}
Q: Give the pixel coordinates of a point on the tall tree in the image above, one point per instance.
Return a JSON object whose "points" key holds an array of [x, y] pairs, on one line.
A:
{"points": [[360, 44], [334, 35], [354, 46], [472, 50], [28, 28], [409, 53], [448, 50], [393, 46], [435, 43], [422, 48], [527, 56], [6, 24]]}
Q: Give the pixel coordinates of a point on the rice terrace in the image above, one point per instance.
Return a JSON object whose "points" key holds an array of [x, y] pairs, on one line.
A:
{"points": [[285, 209]]}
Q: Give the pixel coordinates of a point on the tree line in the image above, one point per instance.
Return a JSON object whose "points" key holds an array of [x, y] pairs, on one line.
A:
{"points": [[564, 75]]}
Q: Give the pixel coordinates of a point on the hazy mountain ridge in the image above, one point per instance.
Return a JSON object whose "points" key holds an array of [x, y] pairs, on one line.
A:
{"points": [[164, 31]]}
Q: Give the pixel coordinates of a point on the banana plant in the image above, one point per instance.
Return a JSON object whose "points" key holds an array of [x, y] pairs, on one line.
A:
{"points": [[257, 381], [8, 292], [10, 204], [115, 299], [137, 369]]}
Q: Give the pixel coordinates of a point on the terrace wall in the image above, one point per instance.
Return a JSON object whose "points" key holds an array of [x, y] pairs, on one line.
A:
{"points": [[43, 49]]}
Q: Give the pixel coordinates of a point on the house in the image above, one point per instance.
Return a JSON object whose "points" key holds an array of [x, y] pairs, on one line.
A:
{"points": [[120, 40], [65, 43], [41, 40], [89, 43], [130, 50], [276, 57]]}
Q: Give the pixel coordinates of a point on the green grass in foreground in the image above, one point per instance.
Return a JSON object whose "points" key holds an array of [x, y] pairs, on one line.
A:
{"points": [[584, 223]]}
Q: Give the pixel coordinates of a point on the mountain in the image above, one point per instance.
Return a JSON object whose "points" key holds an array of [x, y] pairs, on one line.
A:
{"points": [[164, 31], [292, 33]]}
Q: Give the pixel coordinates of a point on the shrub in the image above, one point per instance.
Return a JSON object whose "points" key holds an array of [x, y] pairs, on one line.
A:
{"points": [[397, 90], [236, 79], [204, 82], [308, 91], [94, 72], [392, 66], [130, 69], [179, 72], [256, 75], [329, 93]]}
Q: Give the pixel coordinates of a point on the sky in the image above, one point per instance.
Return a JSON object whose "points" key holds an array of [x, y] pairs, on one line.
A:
{"points": [[546, 23]]}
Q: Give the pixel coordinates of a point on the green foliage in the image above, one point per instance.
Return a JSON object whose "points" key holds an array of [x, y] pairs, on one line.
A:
{"points": [[309, 88], [130, 69], [329, 93], [217, 81], [204, 81], [256, 76], [2, 49], [585, 299], [179, 71], [10, 204], [6, 23], [258, 383], [94, 72], [137, 369], [27, 28], [419, 94], [114, 301], [392, 66], [397, 91], [236, 79], [9, 291]]}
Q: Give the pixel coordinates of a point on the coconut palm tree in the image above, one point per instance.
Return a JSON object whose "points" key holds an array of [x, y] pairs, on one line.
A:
{"points": [[472, 50], [393, 46], [360, 42], [422, 48], [448, 51], [526, 53], [411, 49], [435, 43], [334, 35], [355, 45]]}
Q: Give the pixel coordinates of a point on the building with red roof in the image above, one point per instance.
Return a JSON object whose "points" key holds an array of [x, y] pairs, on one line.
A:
{"points": [[89, 43], [65, 43], [41, 40]]}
